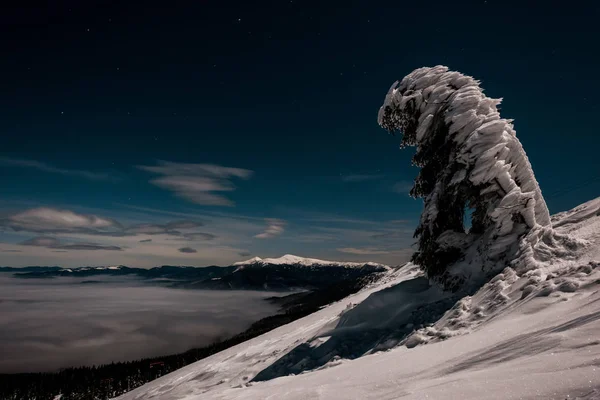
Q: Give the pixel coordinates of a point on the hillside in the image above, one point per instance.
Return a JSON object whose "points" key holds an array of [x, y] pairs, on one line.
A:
{"points": [[531, 335]]}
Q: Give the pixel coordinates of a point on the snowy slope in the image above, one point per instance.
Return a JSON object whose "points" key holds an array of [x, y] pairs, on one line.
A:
{"points": [[290, 259], [533, 336]]}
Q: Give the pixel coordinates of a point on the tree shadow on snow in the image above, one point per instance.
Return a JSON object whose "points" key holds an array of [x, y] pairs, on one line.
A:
{"points": [[378, 323]]}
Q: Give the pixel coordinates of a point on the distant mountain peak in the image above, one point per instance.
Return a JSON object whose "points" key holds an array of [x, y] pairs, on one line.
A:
{"points": [[250, 261], [290, 259]]}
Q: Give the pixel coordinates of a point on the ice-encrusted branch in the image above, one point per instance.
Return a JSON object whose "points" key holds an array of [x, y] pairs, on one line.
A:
{"points": [[469, 157]]}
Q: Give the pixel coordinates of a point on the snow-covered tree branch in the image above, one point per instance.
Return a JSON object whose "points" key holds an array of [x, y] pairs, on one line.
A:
{"points": [[469, 159]]}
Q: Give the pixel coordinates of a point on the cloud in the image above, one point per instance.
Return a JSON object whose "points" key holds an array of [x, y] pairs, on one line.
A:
{"points": [[54, 221], [275, 227], [362, 251], [51, 220], [53, 243], [315, 216], [392, 235], [145, 241], [199, 236], [402, 187], [79, 326], [187, 250], [11, 251], [89, 246], [183, 224], [360, 178], [197, 183], [244, 253], [194, 236], [399, 221], [44, 167], [316, 238], [42, 241], [169, 228]]}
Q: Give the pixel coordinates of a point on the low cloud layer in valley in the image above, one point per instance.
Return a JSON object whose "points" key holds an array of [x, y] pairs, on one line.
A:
{"points": [[49, 324]]}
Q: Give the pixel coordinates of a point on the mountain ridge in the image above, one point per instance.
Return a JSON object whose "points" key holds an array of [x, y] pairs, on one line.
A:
{"points": [[283, 274]]}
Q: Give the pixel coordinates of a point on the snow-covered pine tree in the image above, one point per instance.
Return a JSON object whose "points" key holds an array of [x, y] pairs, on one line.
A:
{"points": [[469, 158]]}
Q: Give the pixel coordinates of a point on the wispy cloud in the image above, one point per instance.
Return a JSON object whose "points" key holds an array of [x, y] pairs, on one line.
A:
{"points": [[402, 187], [46, 220], [187, 250], [361, 178], [89, 246], [51, 220], [54, 243], [199, 236], [362, 251], [404, 234], [197, 183], [316, 216], [42, 241], [145, 241], [45, 167], [275, 227], [170, 228], [400, 221]]}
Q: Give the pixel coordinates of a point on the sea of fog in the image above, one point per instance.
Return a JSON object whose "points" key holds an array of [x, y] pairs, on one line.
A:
{"points": [[47, 324]]}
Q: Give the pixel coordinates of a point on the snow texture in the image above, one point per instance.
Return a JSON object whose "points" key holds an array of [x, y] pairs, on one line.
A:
{"points": [[469, 156], [521, 336]]}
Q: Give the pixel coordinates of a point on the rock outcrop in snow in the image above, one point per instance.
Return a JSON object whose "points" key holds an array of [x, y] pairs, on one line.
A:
{"points": [[470, 158]]}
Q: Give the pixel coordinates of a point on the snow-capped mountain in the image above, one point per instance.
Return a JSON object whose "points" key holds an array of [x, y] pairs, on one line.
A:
{"points": [[284, 274], [290, 259], [290, 272], [521, 336]]}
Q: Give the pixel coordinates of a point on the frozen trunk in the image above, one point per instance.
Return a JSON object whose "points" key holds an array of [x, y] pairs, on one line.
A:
{"points": [[469, 159]]}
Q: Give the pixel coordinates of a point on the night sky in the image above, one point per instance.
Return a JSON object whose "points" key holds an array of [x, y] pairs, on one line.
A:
{"points": [[205, 132]]}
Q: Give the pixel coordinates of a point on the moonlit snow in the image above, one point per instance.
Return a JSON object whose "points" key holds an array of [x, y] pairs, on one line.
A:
{"points": [[528, 336]]}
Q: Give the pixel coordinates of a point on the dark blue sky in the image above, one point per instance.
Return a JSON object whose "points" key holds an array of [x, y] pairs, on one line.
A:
{"points": [[285, 91]]}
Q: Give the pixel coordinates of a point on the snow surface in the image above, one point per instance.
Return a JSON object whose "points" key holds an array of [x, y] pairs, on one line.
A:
{"points": [[524, 335], [289, 259]]}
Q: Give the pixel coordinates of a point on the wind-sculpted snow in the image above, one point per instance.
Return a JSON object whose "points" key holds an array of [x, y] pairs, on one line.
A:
{"points": [[470, 158], [378, 323]]}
